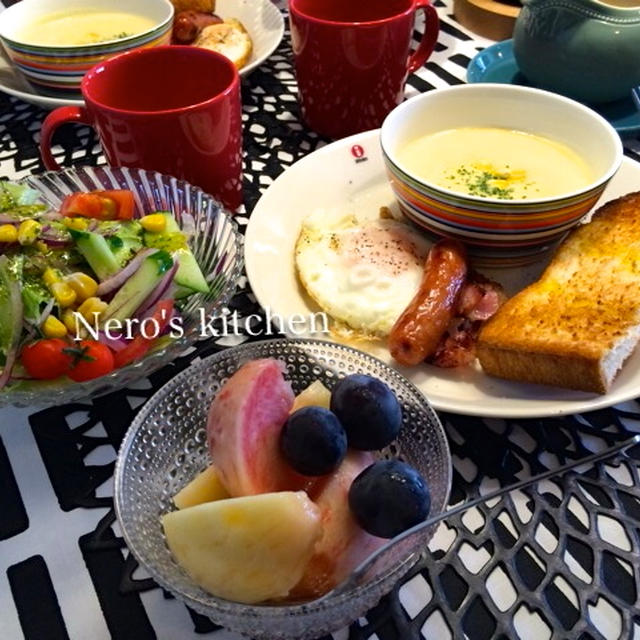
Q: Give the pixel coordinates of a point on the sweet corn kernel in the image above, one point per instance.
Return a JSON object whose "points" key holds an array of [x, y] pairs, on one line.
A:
{"points": [[79, 224], [50, 276], [28, 231], [84, 286], [91, 306], [65, 296], [69, 318], [53, 328], [154, 222], [8, 233]]}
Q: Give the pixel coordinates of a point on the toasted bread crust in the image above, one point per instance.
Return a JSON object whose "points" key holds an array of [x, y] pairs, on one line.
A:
{"points": [[230, 38], [542, 368], [576, 325], [204, 6]]}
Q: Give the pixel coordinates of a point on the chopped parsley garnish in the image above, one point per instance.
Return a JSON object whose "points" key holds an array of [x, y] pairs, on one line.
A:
{"points": [[487, 182]]}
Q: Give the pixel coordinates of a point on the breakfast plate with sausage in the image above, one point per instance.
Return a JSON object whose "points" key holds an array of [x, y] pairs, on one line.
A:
{"points": [[332, 219], [246, 31]]}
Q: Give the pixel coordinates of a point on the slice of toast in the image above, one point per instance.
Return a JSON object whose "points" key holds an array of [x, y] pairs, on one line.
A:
{"points": [[580, 321], [204, 6], [230, 38]]}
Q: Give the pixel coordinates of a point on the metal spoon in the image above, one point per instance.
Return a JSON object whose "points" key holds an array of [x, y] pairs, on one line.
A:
{"points": [[360, 571]]}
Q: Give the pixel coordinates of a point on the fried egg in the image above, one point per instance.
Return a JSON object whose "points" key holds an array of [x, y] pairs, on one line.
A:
{"points": [[361, 273]]}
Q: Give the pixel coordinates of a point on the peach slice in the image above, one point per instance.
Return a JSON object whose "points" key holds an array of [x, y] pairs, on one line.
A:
{"points": [[243, 430], [205, 487], [247, 549], [315, 395], [344, 544]]}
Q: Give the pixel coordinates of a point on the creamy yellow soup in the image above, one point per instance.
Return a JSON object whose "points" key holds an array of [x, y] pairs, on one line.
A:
{"points": [[84, 26], [496, 163]]}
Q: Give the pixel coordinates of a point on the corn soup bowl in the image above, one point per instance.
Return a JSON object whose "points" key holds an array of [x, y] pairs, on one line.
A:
{"points": [[500, 226]]}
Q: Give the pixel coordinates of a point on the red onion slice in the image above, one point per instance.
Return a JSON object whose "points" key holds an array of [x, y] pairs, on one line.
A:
{"points": [[116, 344], [160, 291], [55, 241], [53, 238], [117, 280], [52, 215], [46, 312]]}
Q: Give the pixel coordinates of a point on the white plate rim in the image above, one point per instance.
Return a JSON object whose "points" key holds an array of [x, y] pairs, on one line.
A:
{"points": [[275, 40], [32, 96], [573, 403]]}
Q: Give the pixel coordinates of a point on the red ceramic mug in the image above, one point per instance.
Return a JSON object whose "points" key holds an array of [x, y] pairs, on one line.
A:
{"points": [[174, 109], [352, 58]]}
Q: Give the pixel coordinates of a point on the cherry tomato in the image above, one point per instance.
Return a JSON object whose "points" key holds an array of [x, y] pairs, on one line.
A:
{"points": [[46, 359], [90, 359], [116, 204], [139, 346]]}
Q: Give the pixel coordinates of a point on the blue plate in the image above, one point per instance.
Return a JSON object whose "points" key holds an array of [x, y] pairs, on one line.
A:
{"points": [[497, 64]]}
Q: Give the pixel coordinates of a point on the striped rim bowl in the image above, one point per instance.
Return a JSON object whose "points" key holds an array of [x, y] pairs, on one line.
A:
{"points": [[59, 69], [499, 233]]}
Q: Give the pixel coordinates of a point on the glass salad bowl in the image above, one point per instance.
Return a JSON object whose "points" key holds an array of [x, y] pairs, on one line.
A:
{"points": [[212, 237], [166, 447]]}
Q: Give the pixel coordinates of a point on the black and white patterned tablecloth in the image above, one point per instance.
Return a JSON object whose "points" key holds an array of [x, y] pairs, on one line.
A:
{"points": [[559, 561]]}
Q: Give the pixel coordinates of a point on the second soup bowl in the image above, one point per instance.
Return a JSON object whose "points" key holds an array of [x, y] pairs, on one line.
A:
{"points": [[53, 43]]}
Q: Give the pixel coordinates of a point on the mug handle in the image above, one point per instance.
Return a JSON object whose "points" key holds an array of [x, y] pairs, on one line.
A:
{"points": [[429, 37], [55, 119]]}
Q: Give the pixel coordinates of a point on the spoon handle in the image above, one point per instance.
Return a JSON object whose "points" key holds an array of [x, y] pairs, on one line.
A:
{"points": [[361, 570]]}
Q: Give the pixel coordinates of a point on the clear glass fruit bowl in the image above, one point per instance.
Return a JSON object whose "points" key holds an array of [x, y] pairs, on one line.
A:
{"points": [[214, 241], [166, 446]]}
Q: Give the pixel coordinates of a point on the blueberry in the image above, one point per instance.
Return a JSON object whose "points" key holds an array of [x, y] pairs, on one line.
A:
{"points": [[313, 441], [369, 411], [389, 497]]}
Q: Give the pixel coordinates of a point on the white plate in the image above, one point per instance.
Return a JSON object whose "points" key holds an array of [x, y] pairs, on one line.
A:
{"points": [[348, 177], [262, 19]]}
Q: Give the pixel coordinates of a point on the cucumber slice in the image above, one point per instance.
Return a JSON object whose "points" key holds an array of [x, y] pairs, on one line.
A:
{"points": [[189, 275], [96, 251], [134, 291]]}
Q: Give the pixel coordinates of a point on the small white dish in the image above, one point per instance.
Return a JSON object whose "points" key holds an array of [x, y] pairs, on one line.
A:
{"points": [[262, 19], [264, 22], [348, 177]]}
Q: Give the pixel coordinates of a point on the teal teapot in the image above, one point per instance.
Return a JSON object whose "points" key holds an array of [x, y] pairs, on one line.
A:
{"points": [[585, 49]]}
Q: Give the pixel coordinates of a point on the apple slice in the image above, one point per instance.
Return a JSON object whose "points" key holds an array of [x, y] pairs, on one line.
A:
{"points": [[205, 487], [344, 544], [315, 395], [243, 430], [247, 549]]}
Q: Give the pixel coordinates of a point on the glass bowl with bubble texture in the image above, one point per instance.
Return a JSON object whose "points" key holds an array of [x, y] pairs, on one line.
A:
{"points": [[166, 446], [215, 243]]}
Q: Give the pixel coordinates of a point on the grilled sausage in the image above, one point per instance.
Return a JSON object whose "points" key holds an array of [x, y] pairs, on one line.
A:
{"points": [[417, 332], [187, 25]]}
